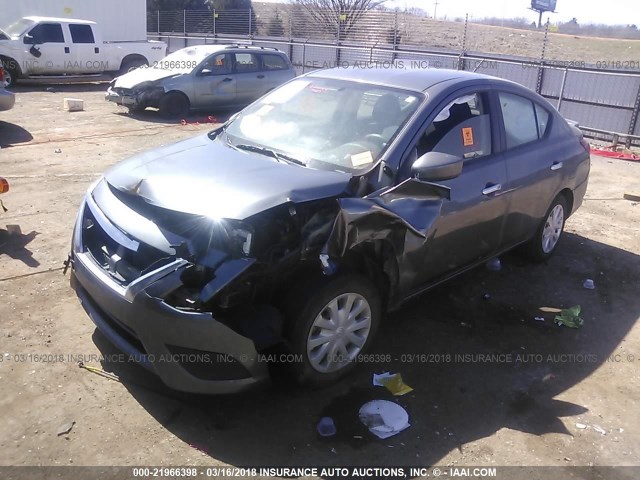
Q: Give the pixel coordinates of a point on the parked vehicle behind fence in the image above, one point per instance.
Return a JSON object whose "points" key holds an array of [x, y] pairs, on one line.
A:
{"points": [[203, 77], [55, 48], [336, 197]]}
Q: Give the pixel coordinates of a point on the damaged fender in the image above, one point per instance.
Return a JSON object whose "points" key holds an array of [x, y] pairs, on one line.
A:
{"points": [[403, 216]]}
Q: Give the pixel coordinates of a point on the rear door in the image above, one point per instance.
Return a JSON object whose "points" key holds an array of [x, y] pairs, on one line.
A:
{"points": [[50, 52], [214, 84], [535, 166], [470, 227], [251, 81], [84, 50]]}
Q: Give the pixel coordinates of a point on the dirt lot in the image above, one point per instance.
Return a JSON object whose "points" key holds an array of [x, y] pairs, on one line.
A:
{"points": [[463, 411]]}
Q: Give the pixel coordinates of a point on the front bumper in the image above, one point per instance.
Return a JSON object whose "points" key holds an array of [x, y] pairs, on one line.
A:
{"points": [[126, 100], [189, 351]]}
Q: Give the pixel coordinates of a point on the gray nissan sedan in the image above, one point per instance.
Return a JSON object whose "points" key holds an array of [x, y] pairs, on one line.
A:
{"points": [[294, 226]]}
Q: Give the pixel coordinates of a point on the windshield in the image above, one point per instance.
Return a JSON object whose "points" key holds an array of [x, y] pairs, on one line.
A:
{"points": [[326, 123], [184, 60], [18, 28]]}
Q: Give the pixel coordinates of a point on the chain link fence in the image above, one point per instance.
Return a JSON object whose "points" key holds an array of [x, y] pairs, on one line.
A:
{"points": [[603, 99]]}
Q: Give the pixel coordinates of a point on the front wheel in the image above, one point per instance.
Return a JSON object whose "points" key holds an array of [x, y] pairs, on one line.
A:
{"points": [[11, 73], [333, 327], [174, 104], [546, 239]]}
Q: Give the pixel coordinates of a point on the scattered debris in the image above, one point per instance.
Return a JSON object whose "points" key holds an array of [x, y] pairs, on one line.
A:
{"points": [[567, 459], [66, 428], [570, 317], [494, 265], [539, 319], [589, 284], [549, 376], [486, 296], [51, 90], [599, 429], [384, 419], [326, 427], [57, 150], [99, 371], [581, 426], [393, 382], [634, 197], [73, 104]]}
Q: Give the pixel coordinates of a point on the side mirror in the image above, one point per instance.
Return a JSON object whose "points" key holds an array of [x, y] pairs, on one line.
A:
{"points": [[35, 51], [437, 166], [29, 40]]}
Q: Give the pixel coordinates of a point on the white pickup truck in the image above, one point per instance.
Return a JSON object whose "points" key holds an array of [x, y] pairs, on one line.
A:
{"points": [[45, 47]]}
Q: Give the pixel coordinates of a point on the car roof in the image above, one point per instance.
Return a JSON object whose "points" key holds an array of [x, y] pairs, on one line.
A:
{"points": [[416, 79], [59, 20]]}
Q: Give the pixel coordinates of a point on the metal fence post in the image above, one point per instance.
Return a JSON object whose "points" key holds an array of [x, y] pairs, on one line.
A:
{"points": [[184, 24], [634, 118], [291, 40], [464, 43], [564, 84], [542, 56], [158, 21], [250, 26], [214, 22], [338, 39], [395, 36]]}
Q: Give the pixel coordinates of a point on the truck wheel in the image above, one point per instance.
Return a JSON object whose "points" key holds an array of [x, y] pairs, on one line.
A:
{"points": [[174, 104], [130, 65], [11, 72], [332, 326], [545, 241]]}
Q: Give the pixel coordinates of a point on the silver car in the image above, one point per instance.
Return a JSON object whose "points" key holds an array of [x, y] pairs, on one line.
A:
{"points": [[7, 99], [203, 77]]}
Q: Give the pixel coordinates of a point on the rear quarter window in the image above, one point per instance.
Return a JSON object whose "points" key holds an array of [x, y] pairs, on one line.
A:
{"points": [[519, 116], [81, 33], [274, 62]]}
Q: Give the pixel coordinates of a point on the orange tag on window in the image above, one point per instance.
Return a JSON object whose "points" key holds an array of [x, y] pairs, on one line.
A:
{"points": [[467, 136]]}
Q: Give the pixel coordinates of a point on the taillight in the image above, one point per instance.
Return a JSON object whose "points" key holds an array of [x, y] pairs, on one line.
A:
{"points": [[4, 186], [1, 75], [585, 145]]}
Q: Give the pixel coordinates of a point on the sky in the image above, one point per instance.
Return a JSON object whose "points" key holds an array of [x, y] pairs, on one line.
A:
{"points": [[586, 11]]}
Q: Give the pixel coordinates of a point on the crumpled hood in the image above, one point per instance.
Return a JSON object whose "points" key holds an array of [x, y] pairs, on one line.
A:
{"points": [[140, 75], [204, 177]]}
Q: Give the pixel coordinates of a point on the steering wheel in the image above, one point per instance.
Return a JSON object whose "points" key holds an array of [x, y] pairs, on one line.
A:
{"points": [[377, 139]]}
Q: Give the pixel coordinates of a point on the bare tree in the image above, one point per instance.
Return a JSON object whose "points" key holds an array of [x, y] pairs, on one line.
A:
{"points": [[338, 14]]}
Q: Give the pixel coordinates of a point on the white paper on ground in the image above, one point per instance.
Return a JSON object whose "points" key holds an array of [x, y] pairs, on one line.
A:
{"points": [[383, 418]]}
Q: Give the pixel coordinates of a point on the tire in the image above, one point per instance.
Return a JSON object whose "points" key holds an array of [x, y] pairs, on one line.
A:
{"points": [[317, 317], [174, 104], [130, 65], [545, 242], [11, 72]]}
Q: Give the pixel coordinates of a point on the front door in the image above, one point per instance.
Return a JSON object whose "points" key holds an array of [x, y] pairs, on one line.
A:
{"points": [[470, 226], [214, 83], [50, 53]]}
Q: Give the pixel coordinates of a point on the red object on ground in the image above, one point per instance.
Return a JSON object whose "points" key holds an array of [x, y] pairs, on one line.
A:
{"points": [[209, 119], [612, 154], [4, 185]]}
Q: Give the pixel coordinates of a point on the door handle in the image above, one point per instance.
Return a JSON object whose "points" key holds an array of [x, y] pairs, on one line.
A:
{"points": [[492, 189], [228, 79], [556, 165], [260, 76], [66, 49]]}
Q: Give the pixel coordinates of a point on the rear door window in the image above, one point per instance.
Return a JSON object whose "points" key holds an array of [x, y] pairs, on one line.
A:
{"points": [[519, 116], [81, 33], [246, 62]]}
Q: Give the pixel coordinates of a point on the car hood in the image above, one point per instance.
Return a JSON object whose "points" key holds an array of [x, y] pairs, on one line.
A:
{"points": [[142, 75], [204, 177]]}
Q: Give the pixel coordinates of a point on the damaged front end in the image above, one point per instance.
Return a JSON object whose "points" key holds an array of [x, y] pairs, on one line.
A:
{"points": [[138, 97]]}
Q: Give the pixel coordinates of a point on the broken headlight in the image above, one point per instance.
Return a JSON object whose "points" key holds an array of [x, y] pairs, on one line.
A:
{"points": [[243, 236]]}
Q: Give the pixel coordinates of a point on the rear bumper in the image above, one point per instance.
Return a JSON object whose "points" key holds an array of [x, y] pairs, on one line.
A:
{"points": [[7, 100], [189, 351]]}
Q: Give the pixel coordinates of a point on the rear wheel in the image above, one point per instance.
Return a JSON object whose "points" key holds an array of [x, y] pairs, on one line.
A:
{"points": [[548, 235], [332, 327], [174, 104]]}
